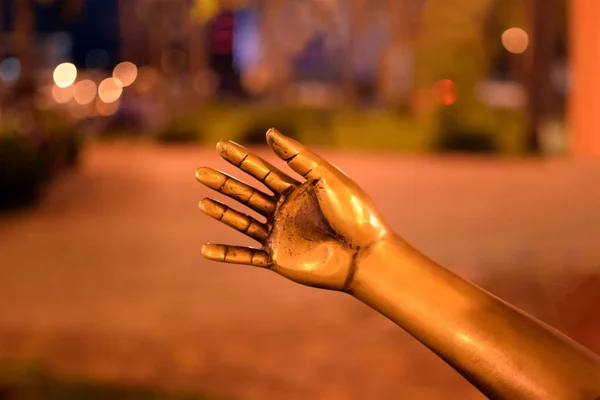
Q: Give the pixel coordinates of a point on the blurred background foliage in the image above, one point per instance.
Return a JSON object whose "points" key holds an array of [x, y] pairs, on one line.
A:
{"points": [[408, 76], [21, 381]]}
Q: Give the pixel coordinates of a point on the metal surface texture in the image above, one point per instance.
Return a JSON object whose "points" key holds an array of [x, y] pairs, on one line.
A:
{"points": [[325, 232]]}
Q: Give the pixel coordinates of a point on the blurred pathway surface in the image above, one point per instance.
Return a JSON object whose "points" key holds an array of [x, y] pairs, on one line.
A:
{"points": [[105, 277]]}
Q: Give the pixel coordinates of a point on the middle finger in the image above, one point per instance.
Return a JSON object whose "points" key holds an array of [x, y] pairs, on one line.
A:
{"points": [[231, 187]]}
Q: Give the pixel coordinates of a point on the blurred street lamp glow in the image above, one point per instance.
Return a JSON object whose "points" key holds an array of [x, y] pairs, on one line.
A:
{"points": [[65, 75], [515, 40], [110, 90], [85, 92], [126, 72], [62, 95]]}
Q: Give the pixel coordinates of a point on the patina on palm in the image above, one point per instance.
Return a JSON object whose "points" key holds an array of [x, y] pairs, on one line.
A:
{"points": [[314, 230]]}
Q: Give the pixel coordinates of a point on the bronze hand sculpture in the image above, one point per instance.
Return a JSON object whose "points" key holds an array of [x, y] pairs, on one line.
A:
{"points": [[326, 232]]}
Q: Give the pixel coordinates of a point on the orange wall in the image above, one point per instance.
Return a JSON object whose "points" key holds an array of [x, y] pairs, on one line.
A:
{"points": [[584, 102]]}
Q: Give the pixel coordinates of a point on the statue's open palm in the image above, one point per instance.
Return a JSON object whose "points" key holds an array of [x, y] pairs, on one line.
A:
{"points": [[315, 229]]}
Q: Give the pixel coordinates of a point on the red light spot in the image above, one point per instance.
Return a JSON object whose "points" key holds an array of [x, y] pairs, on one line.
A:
{"points": [[445, 91]]}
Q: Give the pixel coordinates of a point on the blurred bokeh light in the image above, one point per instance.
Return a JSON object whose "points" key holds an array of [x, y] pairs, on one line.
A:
{"points": [[445, 90], [65, 74], [515, 40], [62, 95], [85, 91], [110, 89], [126, 72]]}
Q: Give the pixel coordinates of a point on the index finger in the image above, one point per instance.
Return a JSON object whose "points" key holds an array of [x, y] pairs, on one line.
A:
{"points": [[299, 158]]}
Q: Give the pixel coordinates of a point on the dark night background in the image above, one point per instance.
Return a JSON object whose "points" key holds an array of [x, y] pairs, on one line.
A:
{"points": [[97, 27]]}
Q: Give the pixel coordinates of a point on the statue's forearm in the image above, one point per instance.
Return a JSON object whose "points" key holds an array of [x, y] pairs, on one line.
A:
{"points": [[504, 352]]}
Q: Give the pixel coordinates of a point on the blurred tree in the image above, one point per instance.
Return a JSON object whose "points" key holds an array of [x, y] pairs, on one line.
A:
{"points": [[504, 15], [201, 13], [275, 55], [452, 45], [166, 23], [357, 12], [545, 24], [24, 30], [25, 42], [396, 83], [460, 40], [543, 18], [70, 9]]}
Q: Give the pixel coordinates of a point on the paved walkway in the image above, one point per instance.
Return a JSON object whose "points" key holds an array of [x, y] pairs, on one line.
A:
{"points": [[105, 277]]}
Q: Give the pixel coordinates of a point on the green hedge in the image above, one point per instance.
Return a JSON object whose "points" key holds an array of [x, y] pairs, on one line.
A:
{"points": [[313, 127], [499, 131], [489, 131], [29, 161], [27, 382], [21, 171]]}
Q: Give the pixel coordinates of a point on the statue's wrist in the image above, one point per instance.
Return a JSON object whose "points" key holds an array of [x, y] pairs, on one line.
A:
{"points": [[372, 263]]}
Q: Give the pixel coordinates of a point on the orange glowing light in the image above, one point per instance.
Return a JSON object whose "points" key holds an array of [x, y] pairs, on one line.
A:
{"points": [[126, 72], [85, 92], [64, 75], [515, 40], [445, 91], [110, 90], [62, 95]]}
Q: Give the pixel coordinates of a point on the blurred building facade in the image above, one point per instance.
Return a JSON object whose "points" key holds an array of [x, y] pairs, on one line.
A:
{"points": [[326, 53], [279, 50]]}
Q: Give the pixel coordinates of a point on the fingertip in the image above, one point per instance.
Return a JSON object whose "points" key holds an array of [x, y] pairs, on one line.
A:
{"points": [[283, 146], [221, 146], [205, 250], [232, 152], [213, 252], [201, 173], [273, 136], [212, 208], [204, 204], [210, 177], [272, 131]]}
